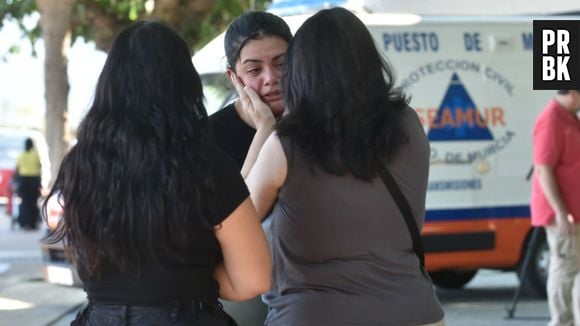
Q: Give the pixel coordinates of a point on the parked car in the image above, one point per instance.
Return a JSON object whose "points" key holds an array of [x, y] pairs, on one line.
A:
{"points": [[57, 267]]}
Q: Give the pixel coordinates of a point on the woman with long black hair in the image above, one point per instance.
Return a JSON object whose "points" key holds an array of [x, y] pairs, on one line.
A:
{"points": [[156, 217], [341, 250]]}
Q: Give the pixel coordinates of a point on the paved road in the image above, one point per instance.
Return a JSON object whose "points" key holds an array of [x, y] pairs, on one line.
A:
{"points": [[484, 300], [482, 303], [25, 299], [20, 256]]}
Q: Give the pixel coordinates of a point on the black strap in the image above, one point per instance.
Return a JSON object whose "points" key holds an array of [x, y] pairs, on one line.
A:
{"points": [[405, 209]]}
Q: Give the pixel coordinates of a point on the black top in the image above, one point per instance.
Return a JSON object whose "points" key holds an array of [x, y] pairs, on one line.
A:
{"points": [[187, 279], [231, 133]]}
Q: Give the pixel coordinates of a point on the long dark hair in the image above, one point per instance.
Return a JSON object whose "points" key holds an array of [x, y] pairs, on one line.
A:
{"points": [[345, 113], [250, 26], [142, 161]]}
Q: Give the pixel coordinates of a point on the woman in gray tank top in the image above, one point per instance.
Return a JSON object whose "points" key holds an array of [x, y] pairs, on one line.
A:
{"points": [[341, 250]]}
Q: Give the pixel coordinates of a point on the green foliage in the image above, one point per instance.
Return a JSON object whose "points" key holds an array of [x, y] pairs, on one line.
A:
{"points": [[16, 9], [120, 13], [130, 10], [224, 11]]}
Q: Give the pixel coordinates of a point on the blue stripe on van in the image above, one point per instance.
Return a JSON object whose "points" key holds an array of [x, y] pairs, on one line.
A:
{"points": [[478, 213]]}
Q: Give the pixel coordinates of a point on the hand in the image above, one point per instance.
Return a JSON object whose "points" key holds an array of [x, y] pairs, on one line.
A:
{"points": [[253, 106], [565, 223]]}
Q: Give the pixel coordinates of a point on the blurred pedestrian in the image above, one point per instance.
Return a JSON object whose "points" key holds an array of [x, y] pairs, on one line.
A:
{"points": [[158, 219], [555, 201], [27, 183], [342, 252]]}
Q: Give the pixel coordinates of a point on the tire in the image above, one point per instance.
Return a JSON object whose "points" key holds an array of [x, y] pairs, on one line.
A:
{"points": [[452, 279], [536, 276]]}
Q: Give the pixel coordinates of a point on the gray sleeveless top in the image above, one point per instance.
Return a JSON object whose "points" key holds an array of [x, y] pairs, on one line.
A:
{"points": [[342, 253]]}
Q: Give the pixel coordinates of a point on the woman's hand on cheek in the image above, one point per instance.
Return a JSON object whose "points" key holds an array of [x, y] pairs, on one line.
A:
{"points": [[239, 86], [259, 111], [253, 106]]}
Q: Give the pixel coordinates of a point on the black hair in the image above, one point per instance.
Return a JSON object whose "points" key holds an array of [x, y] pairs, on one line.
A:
{"points": [[28, 144], [250, 26], [345, 113], [563, 92], [143, 157]]}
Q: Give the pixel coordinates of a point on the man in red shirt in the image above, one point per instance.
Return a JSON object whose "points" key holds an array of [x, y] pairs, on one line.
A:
{"points": [[555, 201]]}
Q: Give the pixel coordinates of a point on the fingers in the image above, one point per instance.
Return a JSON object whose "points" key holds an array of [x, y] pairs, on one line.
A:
{"points": [[248, 95], [236, 82], [259, 111], [251, 93], [239, 86], [251, 103], [258, 107]]}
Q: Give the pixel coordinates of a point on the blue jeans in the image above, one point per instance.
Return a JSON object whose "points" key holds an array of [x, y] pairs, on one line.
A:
{"points": [[181, 314]]}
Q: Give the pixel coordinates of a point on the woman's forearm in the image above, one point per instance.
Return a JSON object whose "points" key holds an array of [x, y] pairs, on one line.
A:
{"points": [[257, 143]]}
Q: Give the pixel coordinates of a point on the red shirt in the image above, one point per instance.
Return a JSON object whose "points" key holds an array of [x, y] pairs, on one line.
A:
{"points": [[556, 144]]}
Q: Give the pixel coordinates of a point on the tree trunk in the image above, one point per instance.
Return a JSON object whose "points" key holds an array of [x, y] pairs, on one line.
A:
{"points": [[55, 22]]}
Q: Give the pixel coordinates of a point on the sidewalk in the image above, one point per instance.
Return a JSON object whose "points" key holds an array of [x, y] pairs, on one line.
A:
{"points": [[25, 298], [38, 303]]}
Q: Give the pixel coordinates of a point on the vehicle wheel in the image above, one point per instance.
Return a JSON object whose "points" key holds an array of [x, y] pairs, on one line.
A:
{"points": [[452, 279], [536, 276]]}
